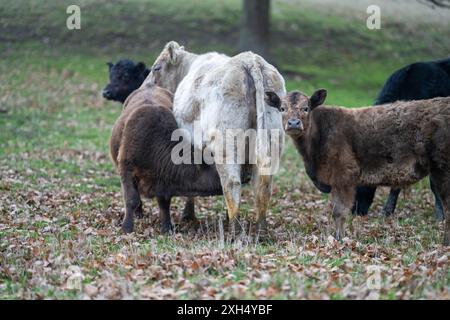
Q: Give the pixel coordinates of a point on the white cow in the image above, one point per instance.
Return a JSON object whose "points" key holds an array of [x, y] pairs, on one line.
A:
{"points": [[223, 93]]}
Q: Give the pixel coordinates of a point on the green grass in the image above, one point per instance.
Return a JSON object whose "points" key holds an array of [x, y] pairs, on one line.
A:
{"points": [[60, 201]]}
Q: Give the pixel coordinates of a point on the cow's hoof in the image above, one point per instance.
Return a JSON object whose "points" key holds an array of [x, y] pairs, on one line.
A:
{"points": [[139, 214], [235, 229], [188, 219], [188, 215], [337, 235], [189, 224], [166, 228], [262, 235], [447, 240], [127, 227]]}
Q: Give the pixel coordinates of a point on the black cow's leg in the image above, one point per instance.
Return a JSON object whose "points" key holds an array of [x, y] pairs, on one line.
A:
{"points": [[363, 200], [131, 197], [189, 210], [391, 202], [164, 214], [438, 209]]}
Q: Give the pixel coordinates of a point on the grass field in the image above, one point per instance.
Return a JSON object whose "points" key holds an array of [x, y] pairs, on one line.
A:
{"points": [[60, 200]]}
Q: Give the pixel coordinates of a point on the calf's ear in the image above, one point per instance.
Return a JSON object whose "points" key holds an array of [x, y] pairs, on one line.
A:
{"points": [[174, 50], [273, 100], [318, 98]]}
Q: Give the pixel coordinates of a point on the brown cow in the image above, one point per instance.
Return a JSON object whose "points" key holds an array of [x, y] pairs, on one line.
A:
{"points": [[392, 145], [141, 148]]}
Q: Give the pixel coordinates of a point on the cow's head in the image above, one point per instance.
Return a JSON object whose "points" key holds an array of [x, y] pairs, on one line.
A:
{"points": [[296, 108], [168, 71], [124, 77]]}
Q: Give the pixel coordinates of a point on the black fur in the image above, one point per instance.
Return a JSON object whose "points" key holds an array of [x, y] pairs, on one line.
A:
{"points": [[417, 81], [273, 100]]}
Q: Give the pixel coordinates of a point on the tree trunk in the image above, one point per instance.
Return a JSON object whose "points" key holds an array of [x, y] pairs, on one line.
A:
{"points": [[438, 3], [255, 27]]}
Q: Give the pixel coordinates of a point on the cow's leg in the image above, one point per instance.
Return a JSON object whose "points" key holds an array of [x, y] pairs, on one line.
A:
{"points": [[342, 200], [131, 198], [391, 202], [441, 183], [189, 211], [230, 178], [438, 209], [363, 200], [263, 190], [139, 213], [164, 214]]}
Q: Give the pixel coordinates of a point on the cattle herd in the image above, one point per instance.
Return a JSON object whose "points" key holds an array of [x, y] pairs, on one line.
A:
{"points": [[209, 97]]}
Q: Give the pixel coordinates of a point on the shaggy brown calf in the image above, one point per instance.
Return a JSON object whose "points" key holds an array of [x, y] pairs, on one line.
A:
{"points": [[391, 145], [141, 149]]}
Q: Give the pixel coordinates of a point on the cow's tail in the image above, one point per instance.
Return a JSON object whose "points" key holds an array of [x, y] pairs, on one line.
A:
{"points": [[262, 151]]}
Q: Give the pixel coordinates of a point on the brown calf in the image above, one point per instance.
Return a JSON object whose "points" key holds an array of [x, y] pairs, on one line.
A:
{"points": [[141, 149], [393, 145]]}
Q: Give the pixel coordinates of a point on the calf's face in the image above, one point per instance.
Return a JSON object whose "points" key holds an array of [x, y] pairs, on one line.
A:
{"points": [[296, 108], [124, 77]]}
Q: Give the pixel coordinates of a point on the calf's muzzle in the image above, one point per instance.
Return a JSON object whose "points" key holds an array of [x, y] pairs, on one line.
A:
{"points": [[294, 124]]}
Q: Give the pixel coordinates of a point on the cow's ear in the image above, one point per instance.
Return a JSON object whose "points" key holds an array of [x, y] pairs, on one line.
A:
{"points": [[140, 67], [318, 98], [110, 65], [174, 50], [273, 100]]}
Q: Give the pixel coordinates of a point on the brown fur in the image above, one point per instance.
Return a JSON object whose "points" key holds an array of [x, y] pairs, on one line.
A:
{"points": [[141, 148], [391, 145], [147, 95]]}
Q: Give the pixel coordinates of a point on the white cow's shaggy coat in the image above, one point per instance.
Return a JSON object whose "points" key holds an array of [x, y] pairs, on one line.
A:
{"points": [[222, 93]]}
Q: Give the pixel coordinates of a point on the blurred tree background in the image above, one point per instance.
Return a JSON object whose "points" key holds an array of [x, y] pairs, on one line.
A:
{"points": [[255, 30], [313, 42]]}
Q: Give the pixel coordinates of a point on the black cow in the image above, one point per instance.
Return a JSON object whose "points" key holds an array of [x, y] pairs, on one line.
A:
{"points": [[124, 77], [417, 81]]}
